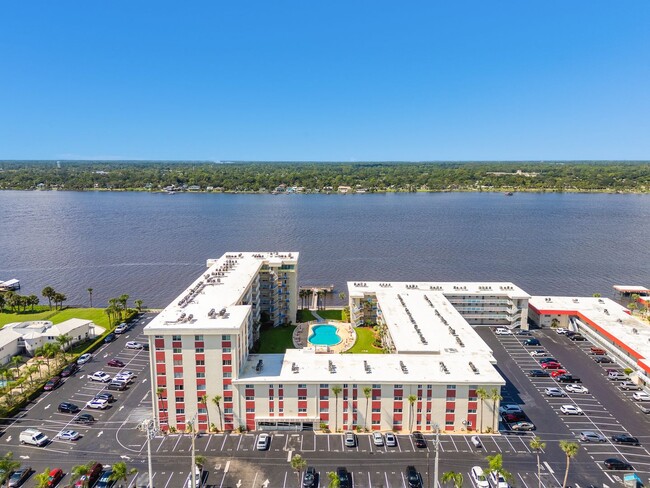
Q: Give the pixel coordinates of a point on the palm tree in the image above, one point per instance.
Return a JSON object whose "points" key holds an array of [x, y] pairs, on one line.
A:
{"points": [[217, 401], [204, 401], [90, 295], [48, 292], [298, 463], [482, 394], [367, 392], [199, 460], [43, 479], [301, 295], [411, 399], [52, 350], [455, 478], [334, 481], [59, 298], [123, 299], [160, 394], [495, 396], [81, 470], [3, 302], [31, 369], [7, 465], [38, 363], [537, 445], [121, 472], [63, 341], [495, 465], [570, 450], [342, 297], [15, 362], [32, 300], [138, 304], [336, 390]]}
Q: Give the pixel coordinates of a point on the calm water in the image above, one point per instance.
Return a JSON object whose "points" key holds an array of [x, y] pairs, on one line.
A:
{"points": [[324, 335], [151, 246]]}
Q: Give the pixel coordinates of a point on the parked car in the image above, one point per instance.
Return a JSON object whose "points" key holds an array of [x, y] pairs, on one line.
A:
{"points": [[100, 376], [538, 373], [558, 372], [615, 463], [575, 388], [198, 478], [603, 359], [498, 481], [310, 478], [98, 404], [502, 331], [551, 365], [68, 435], [263, 441], [125, 376], [617, 376], [133, 345], [513, 417], [121, 329], [53, 383], [19, 477], [479, 478], [548, 360], [391, 439], [629, 385], [84, 358], [522, 426], [599, 351], [91, 477], [561, 330], [350, 439], [105, 396], [33, 437], [571, 410], [117, 385], [476, 441], [510, 408], [69, 370], [84, 418], [413, 477], [532, 342], [377, 439], [625, 439], [110, 338], [553, 391], [418, 439], [641, 396], [590, 436], [523, 332], [67, 407], [570, 333], [578, 337], [568, 378], [115, 363], [538, 353], [105, 480], [56, 475], [345, 479]]}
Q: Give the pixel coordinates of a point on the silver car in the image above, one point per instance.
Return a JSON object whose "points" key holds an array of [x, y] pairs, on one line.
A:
{"points": [[590, 436]]}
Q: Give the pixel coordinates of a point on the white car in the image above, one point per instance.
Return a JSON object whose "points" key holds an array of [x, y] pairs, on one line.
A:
{"points": [[100, 376], [391, 440], [476, 441], [97, 404], [377, 439], [576, 388], [538, 352], [629, 385], [571, 410], [68, 435], [502, 331], [263, 441], [561, 330], [498, 481], [125, 376], [510, 408], [121, 329], [198, 478], [84, 358], [552, 391], [591, 436], [479, 478], [133, 345], [641, 396]]}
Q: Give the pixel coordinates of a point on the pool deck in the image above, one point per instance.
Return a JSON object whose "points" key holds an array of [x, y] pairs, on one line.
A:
{"points": [[302, 332]]}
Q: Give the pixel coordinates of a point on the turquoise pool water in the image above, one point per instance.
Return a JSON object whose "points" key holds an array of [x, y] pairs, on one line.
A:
{"points": [[324, 335]]}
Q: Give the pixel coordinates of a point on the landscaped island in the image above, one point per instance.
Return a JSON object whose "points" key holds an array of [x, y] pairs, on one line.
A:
{"points": [[278, 177]]}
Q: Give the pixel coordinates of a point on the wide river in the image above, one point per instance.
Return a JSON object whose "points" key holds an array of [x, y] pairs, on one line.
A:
{"points": [[151, 246]]}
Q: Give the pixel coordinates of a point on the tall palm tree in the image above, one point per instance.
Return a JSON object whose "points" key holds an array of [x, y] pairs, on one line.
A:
{"points": [[334, 481], [301, 295], [570, 450], [7, 465], [38, 363], [217, 401], [3, 302], [59, 298], [90, 294], [48, 292], [204, 401], [138, 304], [32, 300], [495, 464], [455, 478], [298, 463], [495, 396], [367, 392], [121, 472], [15, 362], [123, 299], [336, 390], [537, 445], [81, 470], [43, 479], [63, 341], [411, 399], [482, 395], [160, 392]]}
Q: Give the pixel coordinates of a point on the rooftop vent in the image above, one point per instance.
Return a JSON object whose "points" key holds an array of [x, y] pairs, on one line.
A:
{"points": [[403, 367], [367, 367], [443, 368], [474, 368], [331, 367], [259, 367], [295, 368]]}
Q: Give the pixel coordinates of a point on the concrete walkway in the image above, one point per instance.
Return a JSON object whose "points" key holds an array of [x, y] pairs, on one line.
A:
{"points": [[318, 317]]}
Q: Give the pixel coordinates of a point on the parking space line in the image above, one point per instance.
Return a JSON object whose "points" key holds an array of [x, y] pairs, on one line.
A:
{"points": [[223, 444], [161, 443]]}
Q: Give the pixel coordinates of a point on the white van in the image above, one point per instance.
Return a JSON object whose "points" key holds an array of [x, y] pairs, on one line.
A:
{"points": [[34, 437]]}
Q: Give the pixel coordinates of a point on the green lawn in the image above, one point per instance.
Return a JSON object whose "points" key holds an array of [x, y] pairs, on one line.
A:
{"points": [[305, 316], [97, 315], [40, 313], [364, 343], [276, 340], [331, 314]]}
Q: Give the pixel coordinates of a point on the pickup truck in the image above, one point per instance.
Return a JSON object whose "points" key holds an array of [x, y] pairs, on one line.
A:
{"points": [[568, 378]]}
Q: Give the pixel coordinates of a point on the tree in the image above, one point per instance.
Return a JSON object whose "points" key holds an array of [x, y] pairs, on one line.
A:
{"points": [[3, 302], [411, 399], [90, 295], [455, 478], [7, 465], [367, 392], [301, 295], [160, 392], [31, 369], [495, 396], [334, 481], [48, 292], [482, 395], [138, 304], [43, 479], [217, 401], [537, 445], [495, 465], [555, 323], [59, 298], [121, 472], [32, 300], [342, 297], [336, 390], [123, 299], [64, 341], [570, 451], [298, 463], [82, 470], [204, 401], [15, 362], [597, 295]]}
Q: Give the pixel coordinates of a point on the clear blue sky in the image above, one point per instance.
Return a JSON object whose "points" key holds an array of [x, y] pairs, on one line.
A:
{"points": [[330, 80]]}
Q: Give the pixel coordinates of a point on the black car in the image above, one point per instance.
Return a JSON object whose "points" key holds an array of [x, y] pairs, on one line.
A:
{"points": [[603, 359], [625, 439], [418, 439], [413, 478], [84, 418], [66, 407], [538, 373], [310, 480], [532, 342], [345, 478], [523, 332], [578, 337], [110, 338], [568, 378], [570, 333], [69, 370], [548, 360], [614, 463], [105, 396]]}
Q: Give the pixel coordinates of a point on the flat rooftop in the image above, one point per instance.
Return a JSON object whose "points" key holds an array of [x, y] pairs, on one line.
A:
{"points": [[219, 289], [632, 289], [308, 366], [487, 288]]}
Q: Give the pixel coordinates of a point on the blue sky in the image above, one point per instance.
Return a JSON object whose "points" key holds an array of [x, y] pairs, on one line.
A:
{"points": [[305, 80]]}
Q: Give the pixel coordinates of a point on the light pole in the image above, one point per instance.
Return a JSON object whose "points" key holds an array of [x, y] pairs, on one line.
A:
{"points": [[435, 460], [428, 471], [151, 430], [193, 469]]}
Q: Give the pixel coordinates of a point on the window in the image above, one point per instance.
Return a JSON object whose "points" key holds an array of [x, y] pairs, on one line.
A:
{"points": [[325, 397], [226, 349], [449, 422], [180, 411], [200, 387], [227, 374], [398, 398], [324, 410], [178, 375], [451, 387], [324, 385], [158, 337], [471, 410], [398, 410], [198, 337], [176, 338], [180, 399], [227, 410], [280, 386], [160, 361], [227, 387], [302, 398], [199, 349], [203, 410], [249, 386], [376, 397], [200, 362], [302, 386], [419, 410], [250, 398], [450, 410], [376, 422], [398, 387], [419, 387], [345, 385], [226, 362], [376, 386], [302, 410], [177, 350], [451, 399], [178, 387], [225, 337], [376, 410], [250, 410], [178, 362], [472, 399], [280, 410]]}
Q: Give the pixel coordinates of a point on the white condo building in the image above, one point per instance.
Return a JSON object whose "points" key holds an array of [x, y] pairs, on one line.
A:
{"points": [[435, 365]]}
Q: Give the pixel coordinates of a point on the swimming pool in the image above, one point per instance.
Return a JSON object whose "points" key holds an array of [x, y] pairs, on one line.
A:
{"points": [[324, 335]]}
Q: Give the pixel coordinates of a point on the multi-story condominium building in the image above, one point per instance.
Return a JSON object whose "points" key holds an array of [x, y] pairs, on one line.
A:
{"points": [[434, 372]]}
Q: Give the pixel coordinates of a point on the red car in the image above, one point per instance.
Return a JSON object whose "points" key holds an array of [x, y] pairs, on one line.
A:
{"points": [[551, 365], [52, 383], [55, 476], [558, 372], [116, 363]]}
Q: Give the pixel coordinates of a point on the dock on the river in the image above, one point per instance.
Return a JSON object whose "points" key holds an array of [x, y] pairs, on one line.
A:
{"points": [[10, 285]]}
